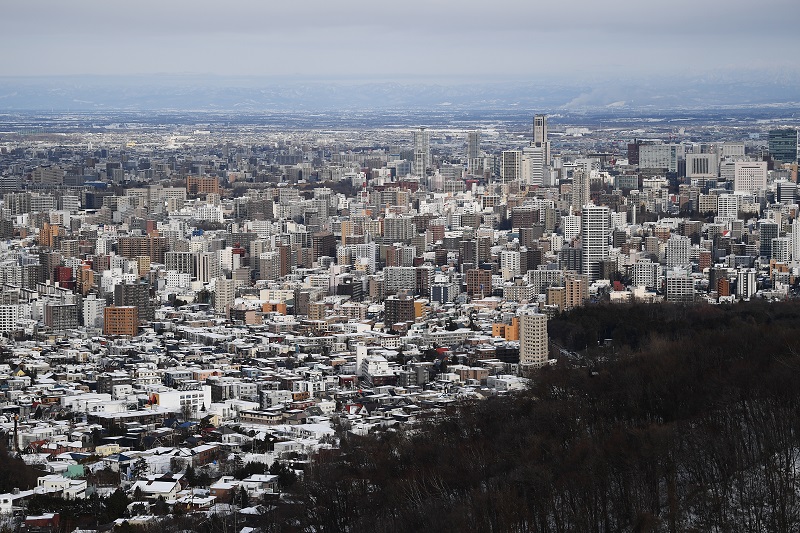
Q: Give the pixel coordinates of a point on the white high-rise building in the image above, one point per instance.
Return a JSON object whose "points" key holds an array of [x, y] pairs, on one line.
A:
{"points": [[9, 317], [750, 176], [533, 342], [539, 154], [510, 261], [534, 165], [746, 282], [595, 227], [728, 207], [646, 274], [677, 253], [93, 311], [795, 240], [782, 249], [572, 226]]}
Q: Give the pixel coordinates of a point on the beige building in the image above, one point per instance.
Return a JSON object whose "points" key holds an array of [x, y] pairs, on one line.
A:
{"points": [[533, 343]]}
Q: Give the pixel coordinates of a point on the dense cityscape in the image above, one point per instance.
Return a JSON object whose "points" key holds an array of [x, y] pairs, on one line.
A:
{"points": [[193, 311]]}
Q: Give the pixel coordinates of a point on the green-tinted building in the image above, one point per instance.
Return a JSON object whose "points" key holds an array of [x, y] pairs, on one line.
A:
{"points": [[783, 145]]}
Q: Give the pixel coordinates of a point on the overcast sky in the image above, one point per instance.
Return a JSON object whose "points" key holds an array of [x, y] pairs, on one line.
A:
{"points": [[413, 39]]}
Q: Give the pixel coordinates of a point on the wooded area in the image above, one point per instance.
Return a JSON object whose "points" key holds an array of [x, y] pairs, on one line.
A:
{"points": [[686, 421]]}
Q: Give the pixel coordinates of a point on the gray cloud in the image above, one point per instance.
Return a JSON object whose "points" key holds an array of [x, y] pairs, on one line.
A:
{"points": [[504, 38]]}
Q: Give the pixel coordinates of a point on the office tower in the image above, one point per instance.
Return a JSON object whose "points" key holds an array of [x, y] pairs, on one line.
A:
{"points": [[539, 129], [422, 151], [537, 156], [48, 175], [580, 190], [783, 145], [534, 166], [182, 262], [533, 339], [510, 166], [749, 176], [646, 274], [660, 156], [787, 192], [768, 230], [473, 146], [677, 253], [595, 227], [702, 166]]}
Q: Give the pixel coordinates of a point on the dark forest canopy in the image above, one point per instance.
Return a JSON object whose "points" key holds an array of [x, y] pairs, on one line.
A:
{"points": [[690, 423]]}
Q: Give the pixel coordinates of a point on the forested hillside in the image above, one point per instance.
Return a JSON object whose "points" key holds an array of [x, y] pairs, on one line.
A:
{"points": [[687, 420]]}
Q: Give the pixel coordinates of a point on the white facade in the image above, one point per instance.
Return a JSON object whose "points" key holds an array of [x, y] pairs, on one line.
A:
{"points": [[677, 252], [93, 311], [746, 283], [595, 227], [728, 206], [572, 226], [750, 176]]}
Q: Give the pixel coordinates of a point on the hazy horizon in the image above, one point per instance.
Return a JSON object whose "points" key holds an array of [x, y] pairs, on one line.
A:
{"points": [[507, 39], [352, 54]]}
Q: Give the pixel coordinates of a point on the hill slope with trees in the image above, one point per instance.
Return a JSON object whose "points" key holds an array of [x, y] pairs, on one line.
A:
{"points": [[687, 422]]}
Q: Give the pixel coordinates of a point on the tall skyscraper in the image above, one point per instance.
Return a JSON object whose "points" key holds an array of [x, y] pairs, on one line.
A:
{"points": [[581, 190], [422, 151], [595, 227], [473, 145], [537, 155], [511, 166], [539, 129]]}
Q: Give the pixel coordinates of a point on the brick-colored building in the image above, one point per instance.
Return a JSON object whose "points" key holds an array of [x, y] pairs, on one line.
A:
{"points": [[121, 320], [479, 282], [197, 185]]}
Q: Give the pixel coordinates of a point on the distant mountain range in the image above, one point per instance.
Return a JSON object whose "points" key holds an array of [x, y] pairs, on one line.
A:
{"points": [[213, 93]]}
